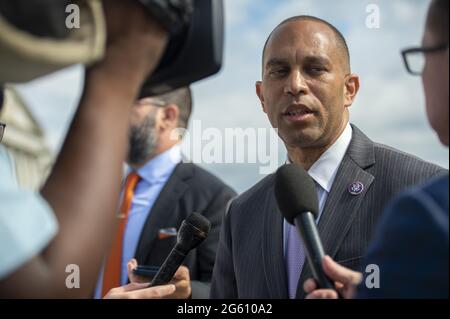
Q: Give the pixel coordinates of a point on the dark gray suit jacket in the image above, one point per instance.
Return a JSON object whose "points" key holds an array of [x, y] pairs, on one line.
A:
{"points": [[189, 189], [250, 261]]}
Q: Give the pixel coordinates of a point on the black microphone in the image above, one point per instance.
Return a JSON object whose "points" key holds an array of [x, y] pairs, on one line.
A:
{"points": [[297, 200], [192, 232]]}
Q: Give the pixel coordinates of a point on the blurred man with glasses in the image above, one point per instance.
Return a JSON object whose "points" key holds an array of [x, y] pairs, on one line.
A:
{"points": [[412, 242]]}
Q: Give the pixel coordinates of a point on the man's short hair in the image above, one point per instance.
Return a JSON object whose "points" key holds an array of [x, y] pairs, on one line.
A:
{"points": [[437, 20], [340, 40], [183, 99]]}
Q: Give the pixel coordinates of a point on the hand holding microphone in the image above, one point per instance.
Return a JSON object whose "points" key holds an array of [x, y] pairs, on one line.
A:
{"points": [[192, 232], [346, 282]]}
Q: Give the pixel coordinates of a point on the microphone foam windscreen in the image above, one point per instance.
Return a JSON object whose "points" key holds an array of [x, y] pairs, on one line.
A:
{"points": [[295, 192], [199, 222]]}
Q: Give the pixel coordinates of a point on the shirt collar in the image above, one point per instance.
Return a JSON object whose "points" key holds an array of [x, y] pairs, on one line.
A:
{"points": [[160, 166], [324, 170]]}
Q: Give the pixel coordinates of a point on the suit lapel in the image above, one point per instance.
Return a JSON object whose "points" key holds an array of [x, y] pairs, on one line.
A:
{"points": [[272, 248], [341, 207], [161, 214]]}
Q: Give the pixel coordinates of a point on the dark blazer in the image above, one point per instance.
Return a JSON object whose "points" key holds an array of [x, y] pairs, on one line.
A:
{"points": [[250, 261], [189, 189], [411, 245]]}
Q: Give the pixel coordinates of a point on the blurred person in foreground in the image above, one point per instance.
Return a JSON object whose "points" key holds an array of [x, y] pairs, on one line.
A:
{"points": [[411, 244], [71, 221]]}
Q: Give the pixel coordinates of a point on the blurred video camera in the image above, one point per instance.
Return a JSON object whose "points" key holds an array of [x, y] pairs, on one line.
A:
{"points": [[194, 51]]}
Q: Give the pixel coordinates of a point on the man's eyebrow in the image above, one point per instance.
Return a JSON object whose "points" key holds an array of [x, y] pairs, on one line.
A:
{"points": [[276, 62], [317, 59], [312, 59]]}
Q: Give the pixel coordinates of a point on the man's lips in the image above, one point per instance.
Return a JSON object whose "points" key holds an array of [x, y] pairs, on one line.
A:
{"points": [[297, 111]]}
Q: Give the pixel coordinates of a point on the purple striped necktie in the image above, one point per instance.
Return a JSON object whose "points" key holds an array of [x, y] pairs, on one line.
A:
{"points": [[295, 260]]}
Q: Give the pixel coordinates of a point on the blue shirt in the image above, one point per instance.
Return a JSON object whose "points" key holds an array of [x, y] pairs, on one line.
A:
{"points": [[154, 175], [27, 223]]}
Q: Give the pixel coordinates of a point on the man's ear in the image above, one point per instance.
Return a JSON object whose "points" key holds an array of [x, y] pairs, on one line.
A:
{"points": [[351, 89], [260, 94], [170, 116]]}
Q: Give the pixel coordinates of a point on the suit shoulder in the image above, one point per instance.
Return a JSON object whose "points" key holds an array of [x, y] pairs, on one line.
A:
{"points": [[425, 204], [396, 161], [432, 195], [202, 179], [256, 192], [437, 189]]}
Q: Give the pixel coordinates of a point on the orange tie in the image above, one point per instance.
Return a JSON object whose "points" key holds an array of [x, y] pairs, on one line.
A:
{"points": [[112, 272]]}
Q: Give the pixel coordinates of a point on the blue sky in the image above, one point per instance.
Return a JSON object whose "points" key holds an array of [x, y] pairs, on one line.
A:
{"points": [[389, 108]]}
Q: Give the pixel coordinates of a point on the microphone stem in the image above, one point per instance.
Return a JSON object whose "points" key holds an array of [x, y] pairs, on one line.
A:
{"points": [[169, 268], [306, 225]]}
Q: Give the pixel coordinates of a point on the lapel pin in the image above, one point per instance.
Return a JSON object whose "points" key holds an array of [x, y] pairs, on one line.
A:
{"points": [[356, 188]]}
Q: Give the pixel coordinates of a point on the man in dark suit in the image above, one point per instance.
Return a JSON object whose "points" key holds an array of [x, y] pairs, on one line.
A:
{"points": [[306, 91], [160, 191], [411, 244]]}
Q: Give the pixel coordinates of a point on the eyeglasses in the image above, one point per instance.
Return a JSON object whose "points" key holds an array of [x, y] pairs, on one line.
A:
{"points": [[415, 58], [157, 102], [2, 130], [153, 101]]}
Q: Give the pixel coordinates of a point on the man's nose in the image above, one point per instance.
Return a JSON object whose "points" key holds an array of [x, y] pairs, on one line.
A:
{"points": [[296, 84]]}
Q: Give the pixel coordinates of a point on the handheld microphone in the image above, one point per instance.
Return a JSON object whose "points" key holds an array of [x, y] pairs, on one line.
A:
{"points": [[296, 196], [193, 231]]}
